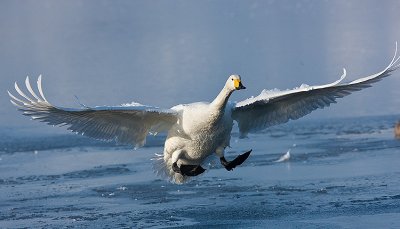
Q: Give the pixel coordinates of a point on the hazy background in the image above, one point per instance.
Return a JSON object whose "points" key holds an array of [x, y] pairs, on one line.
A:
{"points": [[164, 53]]}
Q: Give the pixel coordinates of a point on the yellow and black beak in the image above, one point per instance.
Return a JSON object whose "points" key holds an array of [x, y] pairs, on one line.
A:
{"points": [[238, 84]]}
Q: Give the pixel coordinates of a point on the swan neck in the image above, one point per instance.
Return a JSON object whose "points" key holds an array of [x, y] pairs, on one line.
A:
{"points": [[222, 99]]}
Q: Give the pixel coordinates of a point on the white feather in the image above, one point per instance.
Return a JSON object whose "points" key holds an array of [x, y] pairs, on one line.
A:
{"points": [[28, 86], [22, 93], [39, 84]]}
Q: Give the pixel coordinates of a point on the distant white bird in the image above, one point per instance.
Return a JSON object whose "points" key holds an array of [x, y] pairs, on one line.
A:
{"points": [[196, 130], [284, 157]]}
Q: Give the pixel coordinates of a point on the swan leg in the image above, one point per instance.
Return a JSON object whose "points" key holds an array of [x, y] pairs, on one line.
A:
{"points": [[186, 170], [230, 165]]}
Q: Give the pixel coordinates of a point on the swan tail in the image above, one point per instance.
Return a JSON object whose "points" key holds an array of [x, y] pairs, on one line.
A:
{"points": [[162, 166]]}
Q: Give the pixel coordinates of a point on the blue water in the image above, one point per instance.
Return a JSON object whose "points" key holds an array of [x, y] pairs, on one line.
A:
{"points": [[343, 173]]}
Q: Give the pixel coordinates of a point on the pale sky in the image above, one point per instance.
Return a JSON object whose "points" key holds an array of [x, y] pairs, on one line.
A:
{"points": [[164, 53]]}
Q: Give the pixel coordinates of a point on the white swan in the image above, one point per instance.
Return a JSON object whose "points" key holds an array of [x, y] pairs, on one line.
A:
{"points": [[196, 130]]}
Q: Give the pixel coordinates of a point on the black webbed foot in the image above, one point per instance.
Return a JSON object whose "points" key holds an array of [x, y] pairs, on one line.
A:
{"points": [[192, 170], [188, 170], [237, 161]]}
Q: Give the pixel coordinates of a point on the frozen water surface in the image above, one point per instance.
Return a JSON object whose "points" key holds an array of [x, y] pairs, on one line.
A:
{"points": [[342, 173]]}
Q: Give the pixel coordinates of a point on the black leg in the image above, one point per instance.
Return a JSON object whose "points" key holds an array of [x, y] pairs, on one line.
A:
{"points": [[237, 161], [175, 168], [188, 170], [192, 170]]}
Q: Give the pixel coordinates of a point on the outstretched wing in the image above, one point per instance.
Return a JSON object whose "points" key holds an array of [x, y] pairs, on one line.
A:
{"points": [[127, 124], [275, 107]]}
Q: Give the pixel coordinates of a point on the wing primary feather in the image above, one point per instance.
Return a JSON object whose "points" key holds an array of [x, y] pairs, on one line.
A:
{"points": [[397, 59], [395, 67], [395, 52], [22, 93], [39, 84], [15, 104], [28, 86], [15, 98]]}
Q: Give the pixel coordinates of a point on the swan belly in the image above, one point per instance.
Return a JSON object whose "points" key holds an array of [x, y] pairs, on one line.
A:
{"points": [[196, 136], [201, 130], [195, 149]]}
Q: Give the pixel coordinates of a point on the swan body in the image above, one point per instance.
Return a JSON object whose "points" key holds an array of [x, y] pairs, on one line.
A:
{"points": [[194, 131], [201, 130]]}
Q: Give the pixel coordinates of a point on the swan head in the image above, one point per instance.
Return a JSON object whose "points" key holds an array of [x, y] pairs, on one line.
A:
{"points": [[234, 83]]}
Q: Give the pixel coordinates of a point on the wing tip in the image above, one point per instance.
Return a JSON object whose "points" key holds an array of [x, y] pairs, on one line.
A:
{"points": [[343, 76], [39, 85], [395, 58]]}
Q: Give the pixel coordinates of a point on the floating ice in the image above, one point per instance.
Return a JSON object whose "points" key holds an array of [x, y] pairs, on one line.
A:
{"points": [[132, 104], [122, 188]]}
